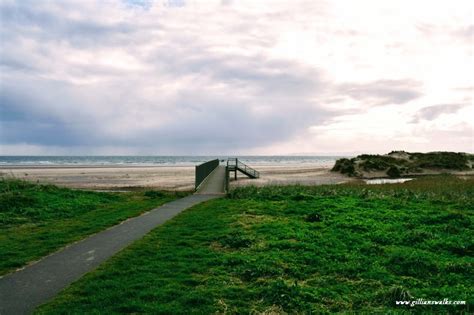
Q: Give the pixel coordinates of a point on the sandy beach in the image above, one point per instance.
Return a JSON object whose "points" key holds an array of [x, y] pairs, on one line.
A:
{"points": [[291, 174], [164, 177]]}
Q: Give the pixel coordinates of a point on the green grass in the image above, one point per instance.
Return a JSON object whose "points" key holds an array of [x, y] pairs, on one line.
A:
{"points": [[36, 220], [295, 249]]}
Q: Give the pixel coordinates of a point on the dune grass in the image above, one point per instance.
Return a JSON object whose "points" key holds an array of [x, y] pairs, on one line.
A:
{"points": [[36, 220], [298, 250], [394, 166]]}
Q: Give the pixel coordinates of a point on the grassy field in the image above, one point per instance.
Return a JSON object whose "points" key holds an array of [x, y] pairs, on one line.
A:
{"points": [[36, 220], [298, 250]]}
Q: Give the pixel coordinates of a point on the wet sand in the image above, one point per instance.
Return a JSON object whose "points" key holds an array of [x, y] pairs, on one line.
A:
{"points": [[164, 177], [288, 175]]}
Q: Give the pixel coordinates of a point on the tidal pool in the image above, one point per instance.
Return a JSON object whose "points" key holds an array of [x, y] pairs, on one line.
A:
{"points": [[386, 181]]}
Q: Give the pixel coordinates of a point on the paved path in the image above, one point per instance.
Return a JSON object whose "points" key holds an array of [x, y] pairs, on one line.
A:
{"points": [[214, 183], [22, 291]]}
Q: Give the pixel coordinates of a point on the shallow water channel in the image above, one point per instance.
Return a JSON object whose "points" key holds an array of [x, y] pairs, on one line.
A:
{"points": [[378, 181]]}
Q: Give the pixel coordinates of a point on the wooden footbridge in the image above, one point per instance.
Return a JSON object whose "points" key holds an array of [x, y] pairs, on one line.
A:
{"points": [[212, 178]]}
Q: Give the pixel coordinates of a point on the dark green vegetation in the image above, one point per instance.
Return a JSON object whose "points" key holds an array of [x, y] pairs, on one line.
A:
{"points": [[398, 163], [296, 249], [38, 219], [345, 166]]}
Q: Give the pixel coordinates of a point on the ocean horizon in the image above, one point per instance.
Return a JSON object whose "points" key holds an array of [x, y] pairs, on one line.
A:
{"points": [[138, 160]]}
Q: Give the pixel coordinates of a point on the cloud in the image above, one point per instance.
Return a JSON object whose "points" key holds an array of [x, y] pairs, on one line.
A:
{"points": [[186, 77], [382, 92], [228, 104], [432, 112], [144, 4]]}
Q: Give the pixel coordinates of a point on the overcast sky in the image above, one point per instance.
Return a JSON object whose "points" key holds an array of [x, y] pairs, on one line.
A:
{"points": [[236, 77]]}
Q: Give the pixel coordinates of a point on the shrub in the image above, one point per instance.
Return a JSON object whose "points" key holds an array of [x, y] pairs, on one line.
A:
{"points": [[443, 160], [301, 196], [394, 172], [154, 194], [345, 166], [411, 162], [11, 201]]}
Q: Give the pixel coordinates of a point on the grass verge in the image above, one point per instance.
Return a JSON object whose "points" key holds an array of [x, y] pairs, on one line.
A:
{"points": [[36, 220], [295, 249]]}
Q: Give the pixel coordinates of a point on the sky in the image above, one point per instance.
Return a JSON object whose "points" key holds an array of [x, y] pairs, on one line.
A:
{"points": [[259, 77]]}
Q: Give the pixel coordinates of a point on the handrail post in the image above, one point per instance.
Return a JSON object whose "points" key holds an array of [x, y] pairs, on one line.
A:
{"points": [[227, 177], [235, 165]]}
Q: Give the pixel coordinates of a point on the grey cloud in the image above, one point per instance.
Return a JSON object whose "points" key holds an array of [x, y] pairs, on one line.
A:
{"points": [[204, 97], [272, 77], [383, 92], [432, 112], [34, 112], [203, 119], [143, 4], [32, 19], [226, 2], [175, 3], [275, 77], [12, 62]]}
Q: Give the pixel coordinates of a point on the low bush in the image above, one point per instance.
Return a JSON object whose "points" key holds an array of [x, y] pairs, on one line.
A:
{"points": [[397, 163], [393, 172], [345, 166]]}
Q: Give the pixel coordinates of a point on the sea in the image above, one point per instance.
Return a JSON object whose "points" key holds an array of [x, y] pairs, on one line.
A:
{"points": [[159, 160]]}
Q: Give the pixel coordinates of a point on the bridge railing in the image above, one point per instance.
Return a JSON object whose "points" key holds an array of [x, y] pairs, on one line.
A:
{"points": [[203, 170], [234, 163]]}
